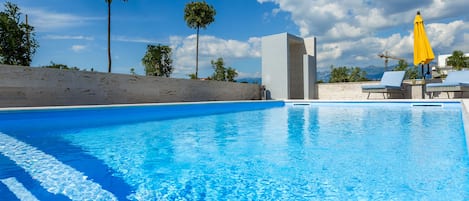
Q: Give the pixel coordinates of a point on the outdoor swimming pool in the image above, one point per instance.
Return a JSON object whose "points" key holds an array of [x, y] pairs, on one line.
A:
{"points": [[237, 151]]}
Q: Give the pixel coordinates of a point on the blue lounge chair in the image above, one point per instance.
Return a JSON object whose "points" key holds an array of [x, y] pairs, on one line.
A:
{"points": [[457, 81], [391, 82]]}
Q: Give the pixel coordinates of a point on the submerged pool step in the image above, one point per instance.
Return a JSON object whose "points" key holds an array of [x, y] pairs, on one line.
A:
{"points": [[18, 189], [53, 175]]}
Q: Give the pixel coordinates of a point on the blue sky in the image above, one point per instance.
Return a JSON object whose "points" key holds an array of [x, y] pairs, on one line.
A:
{"points": [[349, 33]]}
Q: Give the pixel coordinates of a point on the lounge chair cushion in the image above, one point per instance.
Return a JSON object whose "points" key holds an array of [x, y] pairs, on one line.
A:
{"points": [[458, 76], [456, 81], [379, 86], [444, 84], [393, 79], [390, 80]]}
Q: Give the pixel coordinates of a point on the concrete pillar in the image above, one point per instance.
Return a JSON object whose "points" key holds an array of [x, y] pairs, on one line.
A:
{"points": [[289, 66]]}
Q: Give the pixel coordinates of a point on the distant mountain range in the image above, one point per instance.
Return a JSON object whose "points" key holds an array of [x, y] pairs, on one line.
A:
{"points": [[252, 80], [372, 73]]}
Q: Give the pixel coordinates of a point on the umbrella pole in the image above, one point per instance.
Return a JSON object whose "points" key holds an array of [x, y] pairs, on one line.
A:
{"points": [[423, 75], [428, 69]]}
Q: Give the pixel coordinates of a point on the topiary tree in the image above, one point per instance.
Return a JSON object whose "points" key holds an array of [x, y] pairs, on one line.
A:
{"points": [[198, 15]]}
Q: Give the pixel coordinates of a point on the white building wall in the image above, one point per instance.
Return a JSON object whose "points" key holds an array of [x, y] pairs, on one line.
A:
{"points": [[274, 75], [442, 59], [286, 72]]}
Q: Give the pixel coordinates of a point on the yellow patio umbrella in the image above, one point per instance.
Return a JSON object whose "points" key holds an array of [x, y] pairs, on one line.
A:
{"points": [[423, 53]]}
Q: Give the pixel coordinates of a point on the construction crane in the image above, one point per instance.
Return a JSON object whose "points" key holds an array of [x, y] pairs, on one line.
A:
{"points": [[386, 57]]}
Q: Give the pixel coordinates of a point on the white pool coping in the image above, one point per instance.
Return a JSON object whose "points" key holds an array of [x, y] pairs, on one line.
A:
{"points": [[127, 105]]}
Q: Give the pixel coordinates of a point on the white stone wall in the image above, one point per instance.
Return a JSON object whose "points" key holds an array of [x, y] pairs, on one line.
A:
{"points": [[274, 67], [353, 91], [345, 91], [284, 69], [26, 86]]}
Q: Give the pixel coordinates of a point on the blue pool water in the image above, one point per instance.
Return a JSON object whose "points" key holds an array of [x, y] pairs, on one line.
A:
{"points": [[242, 151]]}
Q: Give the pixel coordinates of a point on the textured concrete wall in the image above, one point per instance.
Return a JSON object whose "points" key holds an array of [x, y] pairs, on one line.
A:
{"points": [[25, 86], [353, 91], [344, 91]]}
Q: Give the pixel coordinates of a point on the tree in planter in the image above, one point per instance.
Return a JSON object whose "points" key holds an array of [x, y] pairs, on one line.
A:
{"points": [[339, 74], [231, 74], [410, 72], [157, 60], [60, 66], [198, 15], [17, 43], [344, 74], [457, 60], [192, 76], [221, 72]]}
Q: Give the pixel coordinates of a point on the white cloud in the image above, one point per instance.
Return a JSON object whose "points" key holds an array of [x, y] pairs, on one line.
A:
{"points": [[45, 20], [353, 32], [343, 30], [444, 35], [373, 19], [248, 75], [134, 39], [78, 48], [210, 48], [67, 37]]}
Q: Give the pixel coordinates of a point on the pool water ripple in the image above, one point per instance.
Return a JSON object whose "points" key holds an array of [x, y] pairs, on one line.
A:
{"points": [[316, 152]]}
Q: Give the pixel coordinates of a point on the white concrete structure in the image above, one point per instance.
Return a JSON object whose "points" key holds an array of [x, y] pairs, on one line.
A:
{"points": [[443, 57], [289, 67]]}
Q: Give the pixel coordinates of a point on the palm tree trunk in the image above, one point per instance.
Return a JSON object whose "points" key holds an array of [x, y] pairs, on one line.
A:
{"points": [[109, 36], [197, 56]]}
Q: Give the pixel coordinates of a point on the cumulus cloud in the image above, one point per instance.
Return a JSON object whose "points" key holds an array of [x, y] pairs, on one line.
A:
{"points": [[343, 30], [248, 75], [353, 32], [444, 35], [67, 37], [210, 48], [78, 48]]}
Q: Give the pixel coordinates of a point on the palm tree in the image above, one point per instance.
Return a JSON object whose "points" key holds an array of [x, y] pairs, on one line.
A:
{"points": [[198, 15], [109, 34], [457, 60]]}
